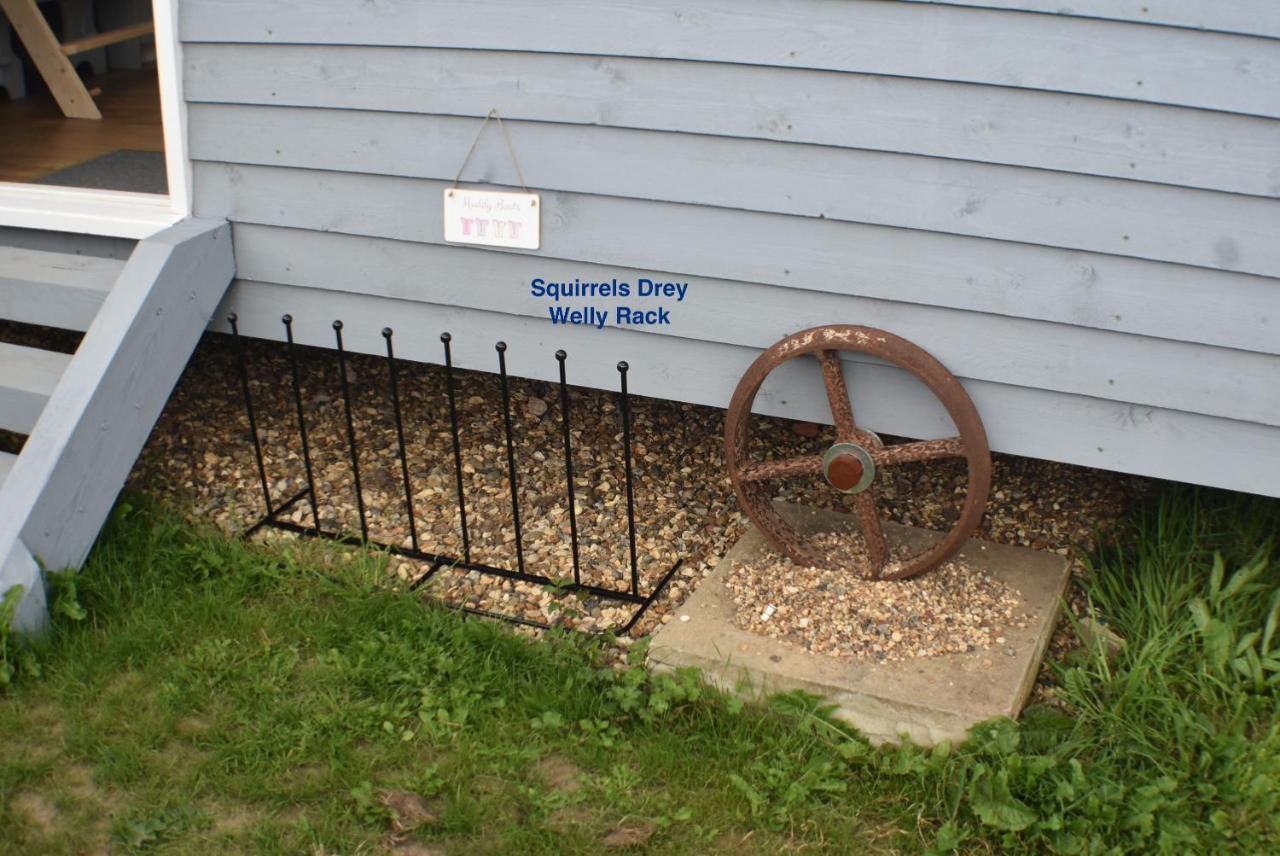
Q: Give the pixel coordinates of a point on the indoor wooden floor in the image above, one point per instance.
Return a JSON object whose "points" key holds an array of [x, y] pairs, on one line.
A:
{"points": [[35, 138]]}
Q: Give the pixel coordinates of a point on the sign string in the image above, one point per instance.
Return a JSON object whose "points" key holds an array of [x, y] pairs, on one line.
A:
{"points": [[493, 114]]}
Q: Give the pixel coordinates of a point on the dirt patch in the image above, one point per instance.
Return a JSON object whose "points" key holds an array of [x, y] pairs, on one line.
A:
{"points": [[96, 806], [192, 727], [414, 848], [409, 811], [559, 773], [35, 812], [46, 719], [234, 820], [81, 783], [632, 834], [41, 739], [292, 814]]}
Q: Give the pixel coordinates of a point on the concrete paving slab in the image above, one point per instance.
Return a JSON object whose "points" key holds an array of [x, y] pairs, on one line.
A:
{"points": [[929, 700]]}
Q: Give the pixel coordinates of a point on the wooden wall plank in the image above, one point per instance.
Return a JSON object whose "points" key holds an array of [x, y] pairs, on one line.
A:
{"points": [[1097, 136], [1247, 17], [1089, 56], [1100, 291], [1217, 381], [1076, 429], [1196, 227]]}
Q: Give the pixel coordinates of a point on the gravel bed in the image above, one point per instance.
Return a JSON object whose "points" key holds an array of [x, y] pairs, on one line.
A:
{"points": [[200, 455], [846, 613]]}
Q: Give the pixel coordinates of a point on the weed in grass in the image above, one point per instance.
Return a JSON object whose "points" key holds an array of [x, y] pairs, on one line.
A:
{"points": [[15, 656]]}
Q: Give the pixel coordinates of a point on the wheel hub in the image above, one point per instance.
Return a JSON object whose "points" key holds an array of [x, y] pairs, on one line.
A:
{"points": [[848, 468]]}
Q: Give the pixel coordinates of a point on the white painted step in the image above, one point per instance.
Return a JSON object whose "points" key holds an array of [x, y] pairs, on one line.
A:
{"points": [[55, 289], [6, 464], [27, 379]]}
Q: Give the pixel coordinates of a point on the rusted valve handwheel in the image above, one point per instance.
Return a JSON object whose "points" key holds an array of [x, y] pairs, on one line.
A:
{"points": [[852, 463]]}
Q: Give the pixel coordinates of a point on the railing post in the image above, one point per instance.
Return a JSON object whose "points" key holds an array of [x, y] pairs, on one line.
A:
{"points": [[561, 356], [351, 429], [242, 361], [625, 401], [501, 348], [287, 320], [404, 460], [457, 448]]}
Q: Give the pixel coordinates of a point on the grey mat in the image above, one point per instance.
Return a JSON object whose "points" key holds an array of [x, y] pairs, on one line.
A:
{"points": [[124, 169]]}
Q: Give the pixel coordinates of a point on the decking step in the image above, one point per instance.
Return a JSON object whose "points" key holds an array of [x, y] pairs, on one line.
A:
{"points": [[55, 289], [27, 379], [6, 464]]}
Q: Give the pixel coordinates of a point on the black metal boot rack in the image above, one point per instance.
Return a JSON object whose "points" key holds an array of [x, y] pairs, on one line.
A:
{"points": [[273, 517]]}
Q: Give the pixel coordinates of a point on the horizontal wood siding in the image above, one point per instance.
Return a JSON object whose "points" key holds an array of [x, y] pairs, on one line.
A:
{"points": [[1052, 52], [1251, 17], [1194, 227], [992, 124], [996, 277], [1016, 351], [1074, 209], [1020, 420]]}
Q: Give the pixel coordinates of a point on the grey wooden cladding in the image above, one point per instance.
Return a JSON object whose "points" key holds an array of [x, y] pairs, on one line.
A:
{"points": [[102, 246], [972, 345], [1084, 430], [1057, 53], [28, 377], [1003, 278], [1103, 215], [1096, 136], [54, 289], [1074, 205], [1251, 17]]}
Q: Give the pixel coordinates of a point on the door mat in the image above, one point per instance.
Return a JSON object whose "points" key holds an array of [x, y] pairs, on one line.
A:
{"points": [[123, 169]]}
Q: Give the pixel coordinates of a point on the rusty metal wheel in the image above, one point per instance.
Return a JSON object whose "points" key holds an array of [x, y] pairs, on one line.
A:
{"points": [[852, 464]]}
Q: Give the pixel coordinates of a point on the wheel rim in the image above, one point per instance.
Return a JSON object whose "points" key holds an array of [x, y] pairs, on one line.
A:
{"points": [[750, 479]]}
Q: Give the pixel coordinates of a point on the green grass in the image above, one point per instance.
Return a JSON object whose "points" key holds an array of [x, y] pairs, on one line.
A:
{"points": [[203, 695]]}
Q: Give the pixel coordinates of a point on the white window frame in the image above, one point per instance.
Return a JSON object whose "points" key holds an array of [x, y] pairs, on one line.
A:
{"points": [[114, 212]]}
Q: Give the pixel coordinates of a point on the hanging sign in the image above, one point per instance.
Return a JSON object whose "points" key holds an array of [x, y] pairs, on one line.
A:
{"points": [[492, 218]]}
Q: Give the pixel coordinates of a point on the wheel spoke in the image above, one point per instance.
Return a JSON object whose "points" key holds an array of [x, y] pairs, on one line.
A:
{"points": [[783, 469], [924, 450], [838, 396], [864, 505]]}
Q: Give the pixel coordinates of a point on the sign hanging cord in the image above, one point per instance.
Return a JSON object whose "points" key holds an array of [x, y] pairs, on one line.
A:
{"points": [[493, 114]]}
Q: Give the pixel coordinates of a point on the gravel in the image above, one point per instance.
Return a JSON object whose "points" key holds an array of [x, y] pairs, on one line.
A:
{"points": [[845, 613], [200, 455]]}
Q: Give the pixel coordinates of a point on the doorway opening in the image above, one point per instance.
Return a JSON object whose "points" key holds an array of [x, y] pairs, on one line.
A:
{"points": [[81, 102]]}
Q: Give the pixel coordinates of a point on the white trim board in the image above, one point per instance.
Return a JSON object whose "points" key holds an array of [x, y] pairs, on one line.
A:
{"points": [[112, 212]]}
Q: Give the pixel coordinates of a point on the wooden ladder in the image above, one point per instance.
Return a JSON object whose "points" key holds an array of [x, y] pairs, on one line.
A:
{"points": [[51, 56]]}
